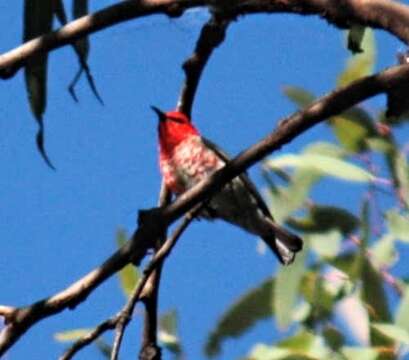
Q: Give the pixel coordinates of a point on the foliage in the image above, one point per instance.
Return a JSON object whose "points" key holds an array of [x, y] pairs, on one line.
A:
{"points": [[336, 298]]}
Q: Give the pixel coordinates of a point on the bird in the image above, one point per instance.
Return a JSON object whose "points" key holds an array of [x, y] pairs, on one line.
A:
{"points": [[186, 158]]}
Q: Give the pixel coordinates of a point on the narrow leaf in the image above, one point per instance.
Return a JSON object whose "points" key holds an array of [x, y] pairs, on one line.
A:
{"points": [[353, 128], [287, 290], [71, 335], [255, 305], [300, 97], [129, 275], [38, 15], [325, 165], [323, 219], [168, 333], [362, 64], [81, 47]]}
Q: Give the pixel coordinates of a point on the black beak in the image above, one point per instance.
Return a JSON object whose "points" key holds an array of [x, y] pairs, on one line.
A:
{"points": [[160, 113]]}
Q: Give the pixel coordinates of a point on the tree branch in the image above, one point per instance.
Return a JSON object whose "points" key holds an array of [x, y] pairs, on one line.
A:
{"points": [[153, 222], [388, 15], [211, 36]]}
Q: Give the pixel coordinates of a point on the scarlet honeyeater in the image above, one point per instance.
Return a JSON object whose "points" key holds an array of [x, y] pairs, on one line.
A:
{"points": [[185, 158]]}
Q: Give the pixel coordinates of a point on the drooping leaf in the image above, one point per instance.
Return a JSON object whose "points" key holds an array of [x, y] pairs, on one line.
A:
{"points": [[129, 275], [398, 225], [255, 305], [323, 219], [38, 16], [168, 332], [355, 36], [81, 47], [300, 97], [287, 286], [325, 165], [362, 64]]}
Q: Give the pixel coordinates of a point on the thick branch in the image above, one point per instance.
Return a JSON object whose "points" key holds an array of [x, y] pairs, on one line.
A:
{"points": [[388, 15], [152, 223]]}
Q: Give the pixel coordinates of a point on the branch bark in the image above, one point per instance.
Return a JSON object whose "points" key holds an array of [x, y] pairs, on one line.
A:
{"points": [[388, 15]]}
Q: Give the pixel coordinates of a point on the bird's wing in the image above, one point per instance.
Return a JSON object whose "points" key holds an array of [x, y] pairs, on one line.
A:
{"points": [[243, 177]]}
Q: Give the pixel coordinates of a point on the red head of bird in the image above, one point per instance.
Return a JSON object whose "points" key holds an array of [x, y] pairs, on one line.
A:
{"points": [[174, 127]]}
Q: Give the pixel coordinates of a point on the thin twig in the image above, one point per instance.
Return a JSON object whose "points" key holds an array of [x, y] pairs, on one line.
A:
{"points": [[89, 338], [158, 259]]}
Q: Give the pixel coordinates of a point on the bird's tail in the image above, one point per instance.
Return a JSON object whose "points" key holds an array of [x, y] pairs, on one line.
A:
{"points": [[284, 244]]}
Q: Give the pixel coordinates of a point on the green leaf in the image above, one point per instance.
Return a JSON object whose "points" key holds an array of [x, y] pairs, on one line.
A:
{"points": [[325, 148], [402, 175], [374, 297], [318, 296], [38, 17], [264, 352], [402, 313], [353, 128], [355, 36], [322, 219], [300, 97], [287, 286], [168, 334], [383, 252], [325, 165], [325, 244], [129, 275], [361, 353], [72, 335], [76, 334], [362, 64], [398, 225], [255, 305], [285, 200], [333, 337], [306, 344], [394, 332]]}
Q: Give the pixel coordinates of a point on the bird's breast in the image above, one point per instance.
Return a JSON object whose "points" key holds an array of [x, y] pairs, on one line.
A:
{"points": [[188, 163]]}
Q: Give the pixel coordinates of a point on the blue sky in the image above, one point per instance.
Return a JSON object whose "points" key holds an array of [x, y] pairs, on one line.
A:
{"points": [[56, 226]]}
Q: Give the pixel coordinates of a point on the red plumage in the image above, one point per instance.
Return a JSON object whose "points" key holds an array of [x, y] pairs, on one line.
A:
{"points": [[185, 158]]}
